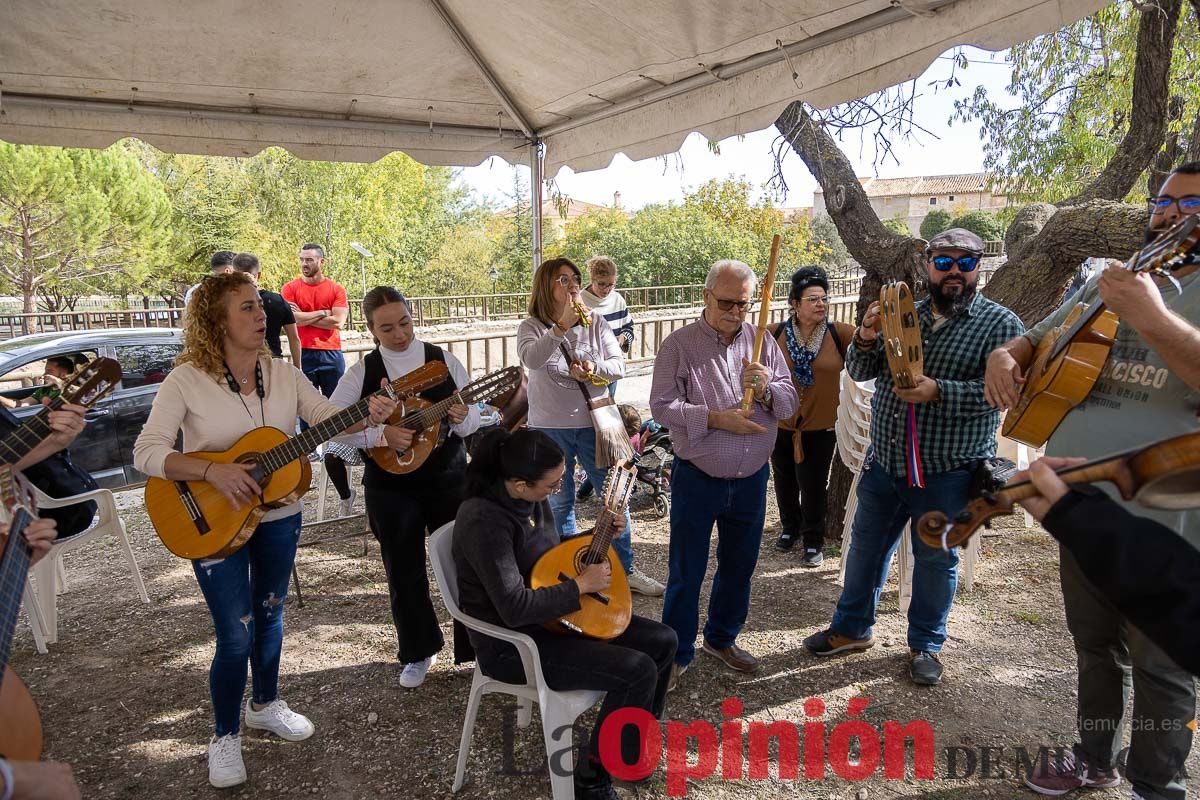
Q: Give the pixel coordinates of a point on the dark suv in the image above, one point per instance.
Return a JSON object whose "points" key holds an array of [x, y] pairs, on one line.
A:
{"points": [[146, 355]]}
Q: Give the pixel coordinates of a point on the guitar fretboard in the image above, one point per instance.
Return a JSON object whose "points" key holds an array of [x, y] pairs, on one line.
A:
{"points": [[14, 567], [29, 435]]}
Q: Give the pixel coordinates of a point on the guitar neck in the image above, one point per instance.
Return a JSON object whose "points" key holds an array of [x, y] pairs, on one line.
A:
{"points": [[602, 537], [29, 435], [303, 444], [1085, 319], [481, 390], [14, 567]]}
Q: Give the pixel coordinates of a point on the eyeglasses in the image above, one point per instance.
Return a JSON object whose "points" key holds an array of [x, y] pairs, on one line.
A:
{"points": [[1188, 204], [823, 300], [567, 280], [728, 305], [965, 263]]}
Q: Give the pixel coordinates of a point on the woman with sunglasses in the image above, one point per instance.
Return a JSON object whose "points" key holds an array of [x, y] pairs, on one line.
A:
{"points": [[814, 349], [503, 527], [560, 353]]}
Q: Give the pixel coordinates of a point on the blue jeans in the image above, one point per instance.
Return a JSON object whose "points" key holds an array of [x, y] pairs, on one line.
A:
{"points": [[324, 368], [245, 594], [885, 504], [738, 507], [580, 444]]}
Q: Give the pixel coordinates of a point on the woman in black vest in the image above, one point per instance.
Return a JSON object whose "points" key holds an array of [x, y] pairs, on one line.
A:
{"points": [[403, 509]]}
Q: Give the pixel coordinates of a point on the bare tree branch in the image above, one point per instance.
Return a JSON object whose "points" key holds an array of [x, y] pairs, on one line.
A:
{"points": [[1148, 112]]}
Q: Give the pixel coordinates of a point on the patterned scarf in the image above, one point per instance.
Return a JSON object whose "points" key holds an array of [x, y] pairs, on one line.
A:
{"points": [[802, 353]]}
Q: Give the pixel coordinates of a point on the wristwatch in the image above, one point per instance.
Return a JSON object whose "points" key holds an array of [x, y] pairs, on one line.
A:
{"points": [[325, 312], [768, 399]]}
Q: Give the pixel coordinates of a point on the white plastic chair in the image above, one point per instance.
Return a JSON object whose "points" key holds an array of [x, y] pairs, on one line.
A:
{"points": [[558, 710], [48, 578]]}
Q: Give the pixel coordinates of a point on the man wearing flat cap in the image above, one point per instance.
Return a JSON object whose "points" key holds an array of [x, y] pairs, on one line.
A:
{"points": [[925, 444]]}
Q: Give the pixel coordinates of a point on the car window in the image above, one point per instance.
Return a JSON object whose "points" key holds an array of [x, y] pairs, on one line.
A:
{"points": [[145, 364], [24, 384]]}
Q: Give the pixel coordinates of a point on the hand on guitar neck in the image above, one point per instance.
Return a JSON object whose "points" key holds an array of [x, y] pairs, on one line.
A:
{"points": [[40, 533]]}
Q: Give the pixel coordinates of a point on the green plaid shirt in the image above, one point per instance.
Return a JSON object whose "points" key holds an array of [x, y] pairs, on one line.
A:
{"points": [[959, 427]]}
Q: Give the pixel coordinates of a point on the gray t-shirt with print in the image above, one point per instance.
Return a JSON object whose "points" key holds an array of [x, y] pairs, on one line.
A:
{"points": [[1137, 399]]}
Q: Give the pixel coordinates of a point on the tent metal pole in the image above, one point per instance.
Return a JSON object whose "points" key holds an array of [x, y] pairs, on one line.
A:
{"points": [[535, 199], [896, 13], [485, 71]]}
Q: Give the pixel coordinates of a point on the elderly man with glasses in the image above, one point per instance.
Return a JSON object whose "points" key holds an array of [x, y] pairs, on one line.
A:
{"points": [[720, 474], [1147, 390], [925, 444]]}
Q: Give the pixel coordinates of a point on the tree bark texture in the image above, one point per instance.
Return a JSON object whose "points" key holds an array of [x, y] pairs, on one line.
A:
{"points": [[882, 254], [1041, 264]]}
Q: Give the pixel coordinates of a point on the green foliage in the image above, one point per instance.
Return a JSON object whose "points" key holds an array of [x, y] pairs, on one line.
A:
{"points": [[983, 224], [898, 225], [69, 218], [935, 222], [678, 243], [833, 252], [1071, 92]]}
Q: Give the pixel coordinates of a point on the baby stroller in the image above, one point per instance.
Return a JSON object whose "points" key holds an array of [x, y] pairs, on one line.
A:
{"points": [[653, 462]]}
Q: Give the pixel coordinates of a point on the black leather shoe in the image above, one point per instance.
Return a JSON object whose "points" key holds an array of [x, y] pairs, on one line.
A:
{"points": [[592, 782], [925, 669]]}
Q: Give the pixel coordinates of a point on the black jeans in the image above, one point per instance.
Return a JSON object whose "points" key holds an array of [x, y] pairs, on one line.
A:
{"points": [[633, 669], [800, 489], [400, 520]]}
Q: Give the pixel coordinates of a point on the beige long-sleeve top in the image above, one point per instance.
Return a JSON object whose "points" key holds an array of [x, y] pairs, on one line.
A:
{"points": [[213, 418]]}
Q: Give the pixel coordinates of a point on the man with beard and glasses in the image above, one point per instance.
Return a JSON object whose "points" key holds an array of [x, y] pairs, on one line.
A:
{"points": [[1148, 389], [955, 429]]}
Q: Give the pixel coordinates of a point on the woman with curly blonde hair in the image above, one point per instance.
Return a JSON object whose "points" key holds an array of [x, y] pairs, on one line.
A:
{"points": [[224, 385]]}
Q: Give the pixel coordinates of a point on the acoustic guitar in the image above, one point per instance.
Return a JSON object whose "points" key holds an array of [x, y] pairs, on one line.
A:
{"points": [[602, 615], [426, 419], [1068, 361], [194, 520], [85, 387], [901, 332], [20, 725]]}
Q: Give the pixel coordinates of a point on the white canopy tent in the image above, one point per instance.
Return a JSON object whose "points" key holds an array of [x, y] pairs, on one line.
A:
{"points": [[453, 82]]}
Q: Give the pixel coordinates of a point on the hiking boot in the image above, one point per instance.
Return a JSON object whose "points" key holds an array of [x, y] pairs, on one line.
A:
{"points": [[924, 668], [787, 540], [733, 657], [813, 557], [1054, 777], [677, 671], [642, 583], [828, 643]]}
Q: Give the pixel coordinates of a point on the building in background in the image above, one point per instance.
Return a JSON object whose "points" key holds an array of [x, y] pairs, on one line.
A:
{"points": [[912, 198]]}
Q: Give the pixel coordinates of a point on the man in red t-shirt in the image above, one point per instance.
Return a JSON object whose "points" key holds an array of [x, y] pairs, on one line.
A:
{"points": [[320, 307]]}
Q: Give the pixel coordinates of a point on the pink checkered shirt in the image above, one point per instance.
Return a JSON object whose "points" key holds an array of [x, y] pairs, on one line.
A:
{"points": [[695, 373]]}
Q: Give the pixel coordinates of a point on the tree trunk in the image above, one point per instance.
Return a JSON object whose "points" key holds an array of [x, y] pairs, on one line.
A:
{"points": [[1041, 263], [29, 324], [882, 254], [1148, 109]]}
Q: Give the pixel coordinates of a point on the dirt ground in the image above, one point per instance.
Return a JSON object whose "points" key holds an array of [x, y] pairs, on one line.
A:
{"points": [[124, 697]]}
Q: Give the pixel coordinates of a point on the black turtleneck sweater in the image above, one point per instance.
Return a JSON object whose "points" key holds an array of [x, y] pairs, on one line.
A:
{"points": [[497, 540]]}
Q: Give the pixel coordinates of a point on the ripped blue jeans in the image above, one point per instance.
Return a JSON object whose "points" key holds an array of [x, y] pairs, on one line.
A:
{"points": [[245, 594]]}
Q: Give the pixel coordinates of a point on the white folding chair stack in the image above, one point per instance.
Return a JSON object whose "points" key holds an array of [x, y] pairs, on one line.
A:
{"points": [[558, 710], [48, 578]]}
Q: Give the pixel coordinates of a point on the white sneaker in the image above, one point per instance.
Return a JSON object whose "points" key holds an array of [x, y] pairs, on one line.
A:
{"points": [[280, 720], [642, 583], [348, 504], [225, 765], [413, 675]]}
